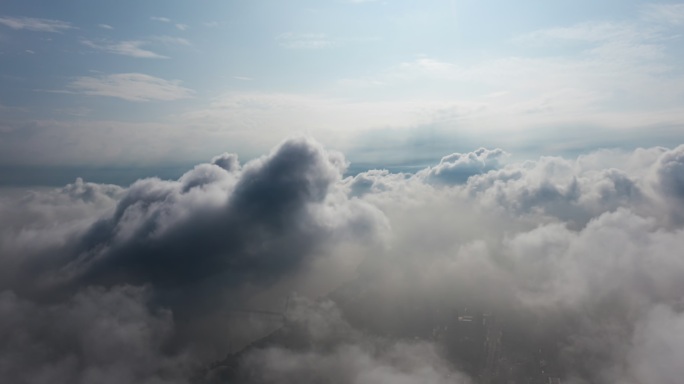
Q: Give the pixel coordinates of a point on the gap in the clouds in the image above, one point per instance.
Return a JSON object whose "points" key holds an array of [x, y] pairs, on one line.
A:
{"points": [[25, 176]]}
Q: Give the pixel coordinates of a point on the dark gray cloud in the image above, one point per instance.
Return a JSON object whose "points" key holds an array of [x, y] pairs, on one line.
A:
{"points": [[259, 224]]}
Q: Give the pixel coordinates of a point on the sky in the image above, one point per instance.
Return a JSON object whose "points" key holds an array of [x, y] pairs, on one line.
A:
{"points": [[104, 90], [344, 191]]}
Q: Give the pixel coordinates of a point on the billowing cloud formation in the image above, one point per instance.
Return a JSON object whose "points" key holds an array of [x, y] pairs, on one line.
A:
{"points": [[195, 243], [259, 223], [458, 167], [468, 271]]}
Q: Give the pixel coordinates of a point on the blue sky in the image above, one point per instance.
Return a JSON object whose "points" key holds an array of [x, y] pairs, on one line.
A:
{"points": [[150, 84]]}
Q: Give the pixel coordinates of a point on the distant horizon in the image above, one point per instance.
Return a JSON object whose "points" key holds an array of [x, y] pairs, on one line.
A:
{"points": [[122, 175]]}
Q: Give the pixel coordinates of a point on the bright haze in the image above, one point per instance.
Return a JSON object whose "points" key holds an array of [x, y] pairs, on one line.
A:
{"points": [[341, 191]]}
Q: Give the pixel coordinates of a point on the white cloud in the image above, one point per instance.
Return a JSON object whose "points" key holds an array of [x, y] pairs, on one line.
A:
{"points": [[35, 24], [182, 27], [105, 26], [127, 48], [131, 87]]}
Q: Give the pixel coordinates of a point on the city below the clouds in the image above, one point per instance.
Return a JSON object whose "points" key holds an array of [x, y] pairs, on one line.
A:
{"points": [[341, 191]]}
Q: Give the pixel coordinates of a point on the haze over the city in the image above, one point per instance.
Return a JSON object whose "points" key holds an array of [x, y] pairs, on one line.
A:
{"points": [[345, 191]]}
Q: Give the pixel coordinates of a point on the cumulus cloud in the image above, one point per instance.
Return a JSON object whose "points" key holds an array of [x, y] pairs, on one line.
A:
{"points": [[193, 246], [471, 270], [268, 218], [570, 256], [458, 167], [670, 180]]}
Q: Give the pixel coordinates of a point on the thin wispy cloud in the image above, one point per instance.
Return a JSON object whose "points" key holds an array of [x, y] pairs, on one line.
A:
{"points": [[133, 48], [171, 40], [36, 24], [131, 87], [160, 19], [291, 40], [105, 26], [591, 32], [179, 26], [668, 13]]}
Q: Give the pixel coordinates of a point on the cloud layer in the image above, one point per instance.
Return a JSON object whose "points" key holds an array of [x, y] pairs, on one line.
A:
{"points": [[476, 269]]}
